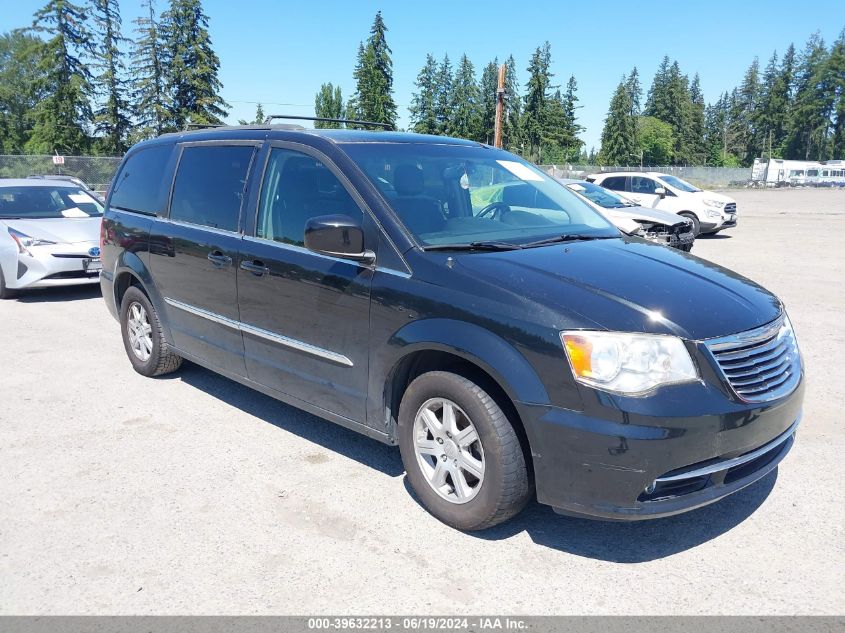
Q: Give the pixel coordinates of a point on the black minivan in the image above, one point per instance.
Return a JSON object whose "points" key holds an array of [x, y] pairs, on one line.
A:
{"points": [[449, 297]]}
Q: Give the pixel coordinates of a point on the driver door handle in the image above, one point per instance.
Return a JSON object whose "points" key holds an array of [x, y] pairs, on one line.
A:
{"points": [[255, 267]]}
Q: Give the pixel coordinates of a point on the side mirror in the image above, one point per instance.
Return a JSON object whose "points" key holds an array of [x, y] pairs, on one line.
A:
{"points": [[660, 191], [338, 236]]}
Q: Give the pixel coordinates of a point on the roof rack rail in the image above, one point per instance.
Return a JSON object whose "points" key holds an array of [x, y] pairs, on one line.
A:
{"points": [[386, 126], [201, 126]]}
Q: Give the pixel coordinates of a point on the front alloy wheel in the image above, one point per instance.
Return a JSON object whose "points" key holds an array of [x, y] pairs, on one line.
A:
{"points": [[449, 450]]}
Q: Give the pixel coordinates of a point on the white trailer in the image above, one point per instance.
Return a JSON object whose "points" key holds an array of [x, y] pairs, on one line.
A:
{"points": [[779, 171]]}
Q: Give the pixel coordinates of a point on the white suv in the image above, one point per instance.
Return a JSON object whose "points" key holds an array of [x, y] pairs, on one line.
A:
{"points": [[710, 212]]}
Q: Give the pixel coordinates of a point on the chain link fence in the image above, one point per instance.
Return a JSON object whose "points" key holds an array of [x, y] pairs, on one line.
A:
{"points": [[704, 177], [97, 171], [94, 171]]}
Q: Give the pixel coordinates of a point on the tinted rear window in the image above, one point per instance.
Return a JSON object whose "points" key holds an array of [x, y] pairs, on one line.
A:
{"points": [[141, 181], [616, 183], [210, 185]]}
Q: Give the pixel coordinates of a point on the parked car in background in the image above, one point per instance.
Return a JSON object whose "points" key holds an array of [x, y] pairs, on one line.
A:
{"points": [[72, 179], [507, 346], [49, 235], [655, 225], [709, 211]]}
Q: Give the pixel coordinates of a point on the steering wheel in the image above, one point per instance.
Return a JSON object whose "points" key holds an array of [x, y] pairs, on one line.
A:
{"points": [[494, 209]]}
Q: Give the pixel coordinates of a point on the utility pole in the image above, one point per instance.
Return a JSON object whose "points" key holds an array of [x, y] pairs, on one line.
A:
{"points": [[500, 108]]}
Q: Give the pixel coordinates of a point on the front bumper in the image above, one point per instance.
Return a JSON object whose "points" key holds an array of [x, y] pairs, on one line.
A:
{"points": [[55, 265], [656, 457]]}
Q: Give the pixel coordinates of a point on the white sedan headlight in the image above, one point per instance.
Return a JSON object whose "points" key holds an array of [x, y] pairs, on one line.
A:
{"points": [[714, 203], [627, 363], [24, 241]]}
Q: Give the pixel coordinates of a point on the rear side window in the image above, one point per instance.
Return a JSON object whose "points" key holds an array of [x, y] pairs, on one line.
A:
{"points": [[210, 183], [141, 181], [615, 183], [642, 185]]}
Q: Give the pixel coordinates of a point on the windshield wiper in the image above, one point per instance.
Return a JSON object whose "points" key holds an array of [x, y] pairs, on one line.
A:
{"points": [[474, 246], [568, 237]]}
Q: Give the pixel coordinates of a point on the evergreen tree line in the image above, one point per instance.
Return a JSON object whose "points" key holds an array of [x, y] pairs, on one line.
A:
{"points": [[454, 101], [73, 83], [794, 108]]}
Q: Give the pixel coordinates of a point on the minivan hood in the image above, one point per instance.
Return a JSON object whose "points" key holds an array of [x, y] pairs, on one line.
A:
{"points": [[59, 230], [629, 285]]}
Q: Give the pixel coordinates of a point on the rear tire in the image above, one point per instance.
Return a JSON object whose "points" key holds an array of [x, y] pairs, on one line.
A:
{"points": [[475, 446], [6, 292], [143, 339], [696, 226]]}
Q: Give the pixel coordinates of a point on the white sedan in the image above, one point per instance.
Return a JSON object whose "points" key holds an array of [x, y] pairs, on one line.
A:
{"points": [[49, 235]]}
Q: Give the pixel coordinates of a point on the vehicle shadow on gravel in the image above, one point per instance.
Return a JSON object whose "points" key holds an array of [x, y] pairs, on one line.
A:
{"points": [[59, 294], [637, 541], [329, 435], [714, 236]]}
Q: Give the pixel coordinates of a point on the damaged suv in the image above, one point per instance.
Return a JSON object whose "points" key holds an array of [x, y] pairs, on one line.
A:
{"points": [[651, 224], [360, 276]]}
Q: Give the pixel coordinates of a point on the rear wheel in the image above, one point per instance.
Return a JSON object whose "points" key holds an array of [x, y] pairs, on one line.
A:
{"points": [[143, 340], [696, 226], [5, 292], [464, 459]]}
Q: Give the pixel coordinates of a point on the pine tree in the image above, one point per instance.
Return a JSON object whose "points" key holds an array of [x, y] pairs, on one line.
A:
{"points": [[328, 103], [422, 110], [487, 88], [659, 101], [150, 103], [836, 63], [743, 113], [512, 115], [373, 98], [465, 107], [785, 86], [669, 100], [260, 117], [112, 117], [443, 97], [570, 143], [770, 114], [810, 119], [535, 100], [64, 114], [20, 78], [618, 145], [191, 66], [697, 149], [635, 91]]}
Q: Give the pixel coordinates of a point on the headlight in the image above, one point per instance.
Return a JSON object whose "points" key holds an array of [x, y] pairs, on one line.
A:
{"points": [[25, 241], [627, 363], [712, 213], [714, 203]]}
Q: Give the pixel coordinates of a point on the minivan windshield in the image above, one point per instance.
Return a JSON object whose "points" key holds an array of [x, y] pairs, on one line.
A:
{"points": [[679, 184], [463, 195], [44, 202], [599, 195]]}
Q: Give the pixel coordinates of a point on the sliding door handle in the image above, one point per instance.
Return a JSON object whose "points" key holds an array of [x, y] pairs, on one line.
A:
{"points": [[255, 267], [219, 259]]}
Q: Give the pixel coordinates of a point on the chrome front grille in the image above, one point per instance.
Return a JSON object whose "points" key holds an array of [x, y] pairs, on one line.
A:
{"points": [[761, 364], [730, 207]]}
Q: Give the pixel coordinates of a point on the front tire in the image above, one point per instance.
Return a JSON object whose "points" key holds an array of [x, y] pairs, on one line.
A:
{"points": [[463, 458], [143, 340], [696, 225]]}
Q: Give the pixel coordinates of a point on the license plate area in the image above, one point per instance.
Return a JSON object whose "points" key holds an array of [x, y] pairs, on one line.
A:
{"points": [[92, 264]]}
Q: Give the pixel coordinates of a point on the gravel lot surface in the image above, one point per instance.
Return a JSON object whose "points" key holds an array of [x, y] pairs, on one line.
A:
{"points": [[191, 494]]}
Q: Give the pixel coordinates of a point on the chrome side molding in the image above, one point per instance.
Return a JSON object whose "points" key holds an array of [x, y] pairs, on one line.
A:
{"points": [[292, 343]]}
